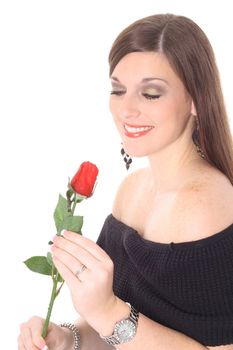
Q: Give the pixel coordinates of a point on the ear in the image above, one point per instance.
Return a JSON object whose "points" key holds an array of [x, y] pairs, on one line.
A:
{"points": [[193, 109]]}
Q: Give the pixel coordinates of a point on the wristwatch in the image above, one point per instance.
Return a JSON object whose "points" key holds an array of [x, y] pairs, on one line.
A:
{"points": [[124, 330]]}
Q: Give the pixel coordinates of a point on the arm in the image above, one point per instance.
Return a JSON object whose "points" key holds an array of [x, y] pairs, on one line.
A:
{"points": [[157, 337], [161, 338], [150, 335]]}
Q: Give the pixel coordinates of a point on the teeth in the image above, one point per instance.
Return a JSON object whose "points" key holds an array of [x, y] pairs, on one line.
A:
{"points": [[135, 130]]}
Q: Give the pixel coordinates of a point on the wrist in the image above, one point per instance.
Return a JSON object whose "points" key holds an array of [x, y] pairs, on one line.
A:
{"points": [[117, 310], [72, 337], [124, 329]]}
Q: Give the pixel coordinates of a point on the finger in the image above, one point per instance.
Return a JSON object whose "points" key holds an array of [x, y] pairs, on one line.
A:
{"points": [[20, 344], [26, 337], [79, 253], [67, 274], [72, 263], [36, 329], [87, 244]]}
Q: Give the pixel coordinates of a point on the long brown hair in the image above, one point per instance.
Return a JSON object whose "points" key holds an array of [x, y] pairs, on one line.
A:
{"points": [[191, 56]]}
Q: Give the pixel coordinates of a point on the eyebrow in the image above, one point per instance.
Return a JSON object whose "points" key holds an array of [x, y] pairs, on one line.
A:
{"points": [[144, 80]]}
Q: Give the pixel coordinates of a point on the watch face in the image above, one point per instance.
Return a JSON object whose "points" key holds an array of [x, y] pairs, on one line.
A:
{"points": [[125, 330]]}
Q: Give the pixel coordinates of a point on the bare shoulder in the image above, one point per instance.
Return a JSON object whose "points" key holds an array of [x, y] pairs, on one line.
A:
{"points": [[125, 191], [205, 206]]}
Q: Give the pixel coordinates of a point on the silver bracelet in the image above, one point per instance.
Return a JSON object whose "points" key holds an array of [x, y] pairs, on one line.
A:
{"points": [[76, 334]]}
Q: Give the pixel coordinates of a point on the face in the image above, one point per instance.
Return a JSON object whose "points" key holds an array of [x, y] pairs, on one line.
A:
{"points": [[149, 103]]}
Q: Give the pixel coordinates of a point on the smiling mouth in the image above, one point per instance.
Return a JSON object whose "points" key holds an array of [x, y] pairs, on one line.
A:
{"points": [[137, 131]]}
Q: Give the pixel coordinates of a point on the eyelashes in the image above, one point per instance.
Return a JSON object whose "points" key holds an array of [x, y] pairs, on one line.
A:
{"points": [[117, 92], [151, 97], [146, 95]]}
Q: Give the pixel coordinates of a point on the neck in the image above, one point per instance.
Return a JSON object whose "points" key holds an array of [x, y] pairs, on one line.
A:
{"points": [[174, 166]]}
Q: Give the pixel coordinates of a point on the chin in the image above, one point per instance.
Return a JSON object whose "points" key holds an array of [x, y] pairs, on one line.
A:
{"points": [[132, 152]]}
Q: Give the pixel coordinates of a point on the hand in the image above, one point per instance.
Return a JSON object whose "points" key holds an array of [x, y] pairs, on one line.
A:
{"points": [[91, 290], [30, 338]]}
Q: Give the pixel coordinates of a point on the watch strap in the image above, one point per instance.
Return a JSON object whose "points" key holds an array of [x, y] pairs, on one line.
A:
{"points": [[133, 318]]}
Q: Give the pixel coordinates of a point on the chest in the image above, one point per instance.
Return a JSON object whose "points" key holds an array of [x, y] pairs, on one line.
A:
{"points": [[155, 217]]}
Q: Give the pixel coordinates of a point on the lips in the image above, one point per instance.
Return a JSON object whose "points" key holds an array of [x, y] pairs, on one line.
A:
{"points": [[137, 130]]}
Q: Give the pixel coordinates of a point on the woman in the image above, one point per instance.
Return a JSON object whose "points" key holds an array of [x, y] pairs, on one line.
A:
{"points": [[167, 247]]}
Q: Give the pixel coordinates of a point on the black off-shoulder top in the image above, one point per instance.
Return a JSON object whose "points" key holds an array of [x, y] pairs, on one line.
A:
{"points": [[185, 286]]}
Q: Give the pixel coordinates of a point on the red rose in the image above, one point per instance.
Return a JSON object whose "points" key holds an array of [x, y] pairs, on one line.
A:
{"points": [[84, 180]]}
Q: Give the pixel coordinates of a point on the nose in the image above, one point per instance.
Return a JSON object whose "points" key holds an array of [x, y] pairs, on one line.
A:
{"points": [[128, 107]]}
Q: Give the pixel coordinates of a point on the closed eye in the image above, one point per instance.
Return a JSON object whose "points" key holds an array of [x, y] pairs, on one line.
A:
{"points": [[146, 95], [151, 97], [117, 92]]}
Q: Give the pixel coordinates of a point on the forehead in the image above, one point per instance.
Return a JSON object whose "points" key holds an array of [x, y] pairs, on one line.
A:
{"points": [[136, 66]]}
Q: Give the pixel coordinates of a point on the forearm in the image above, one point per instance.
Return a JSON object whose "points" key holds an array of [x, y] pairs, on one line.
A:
{"points": [[90, 339], [152, 335]]}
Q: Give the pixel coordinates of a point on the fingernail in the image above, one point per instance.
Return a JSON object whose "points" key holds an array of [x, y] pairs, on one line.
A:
{"points": [[42, 345], [62, 232], [45, 348]]}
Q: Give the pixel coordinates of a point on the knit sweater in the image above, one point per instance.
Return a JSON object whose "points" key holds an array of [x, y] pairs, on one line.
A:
{"points": [[185, 286]]}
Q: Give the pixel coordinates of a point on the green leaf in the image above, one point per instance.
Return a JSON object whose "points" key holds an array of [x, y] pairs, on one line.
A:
{"points": [[70, 193], [60, 279], [61, 211], [72, 223], [49, 259], [39, 264], [69, 185]]}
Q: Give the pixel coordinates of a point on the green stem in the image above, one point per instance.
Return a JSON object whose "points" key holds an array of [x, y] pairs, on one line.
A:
{"points": [[55, 291], [52, 299], [58, 291], [74, 205]]}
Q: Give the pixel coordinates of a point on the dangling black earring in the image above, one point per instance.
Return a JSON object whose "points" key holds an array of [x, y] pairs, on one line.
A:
{"points": [[196, 139], [126, 158]]}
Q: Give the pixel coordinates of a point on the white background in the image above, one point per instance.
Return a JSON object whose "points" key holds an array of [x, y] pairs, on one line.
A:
{"points": [[54, 114]]}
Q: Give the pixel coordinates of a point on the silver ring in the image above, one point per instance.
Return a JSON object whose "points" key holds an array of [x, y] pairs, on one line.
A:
{"points": [[80, 270]]}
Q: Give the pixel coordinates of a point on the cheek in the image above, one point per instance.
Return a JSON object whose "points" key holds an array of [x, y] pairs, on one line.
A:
{"points": [[172, 119], [167, 110], [158, 112]]}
